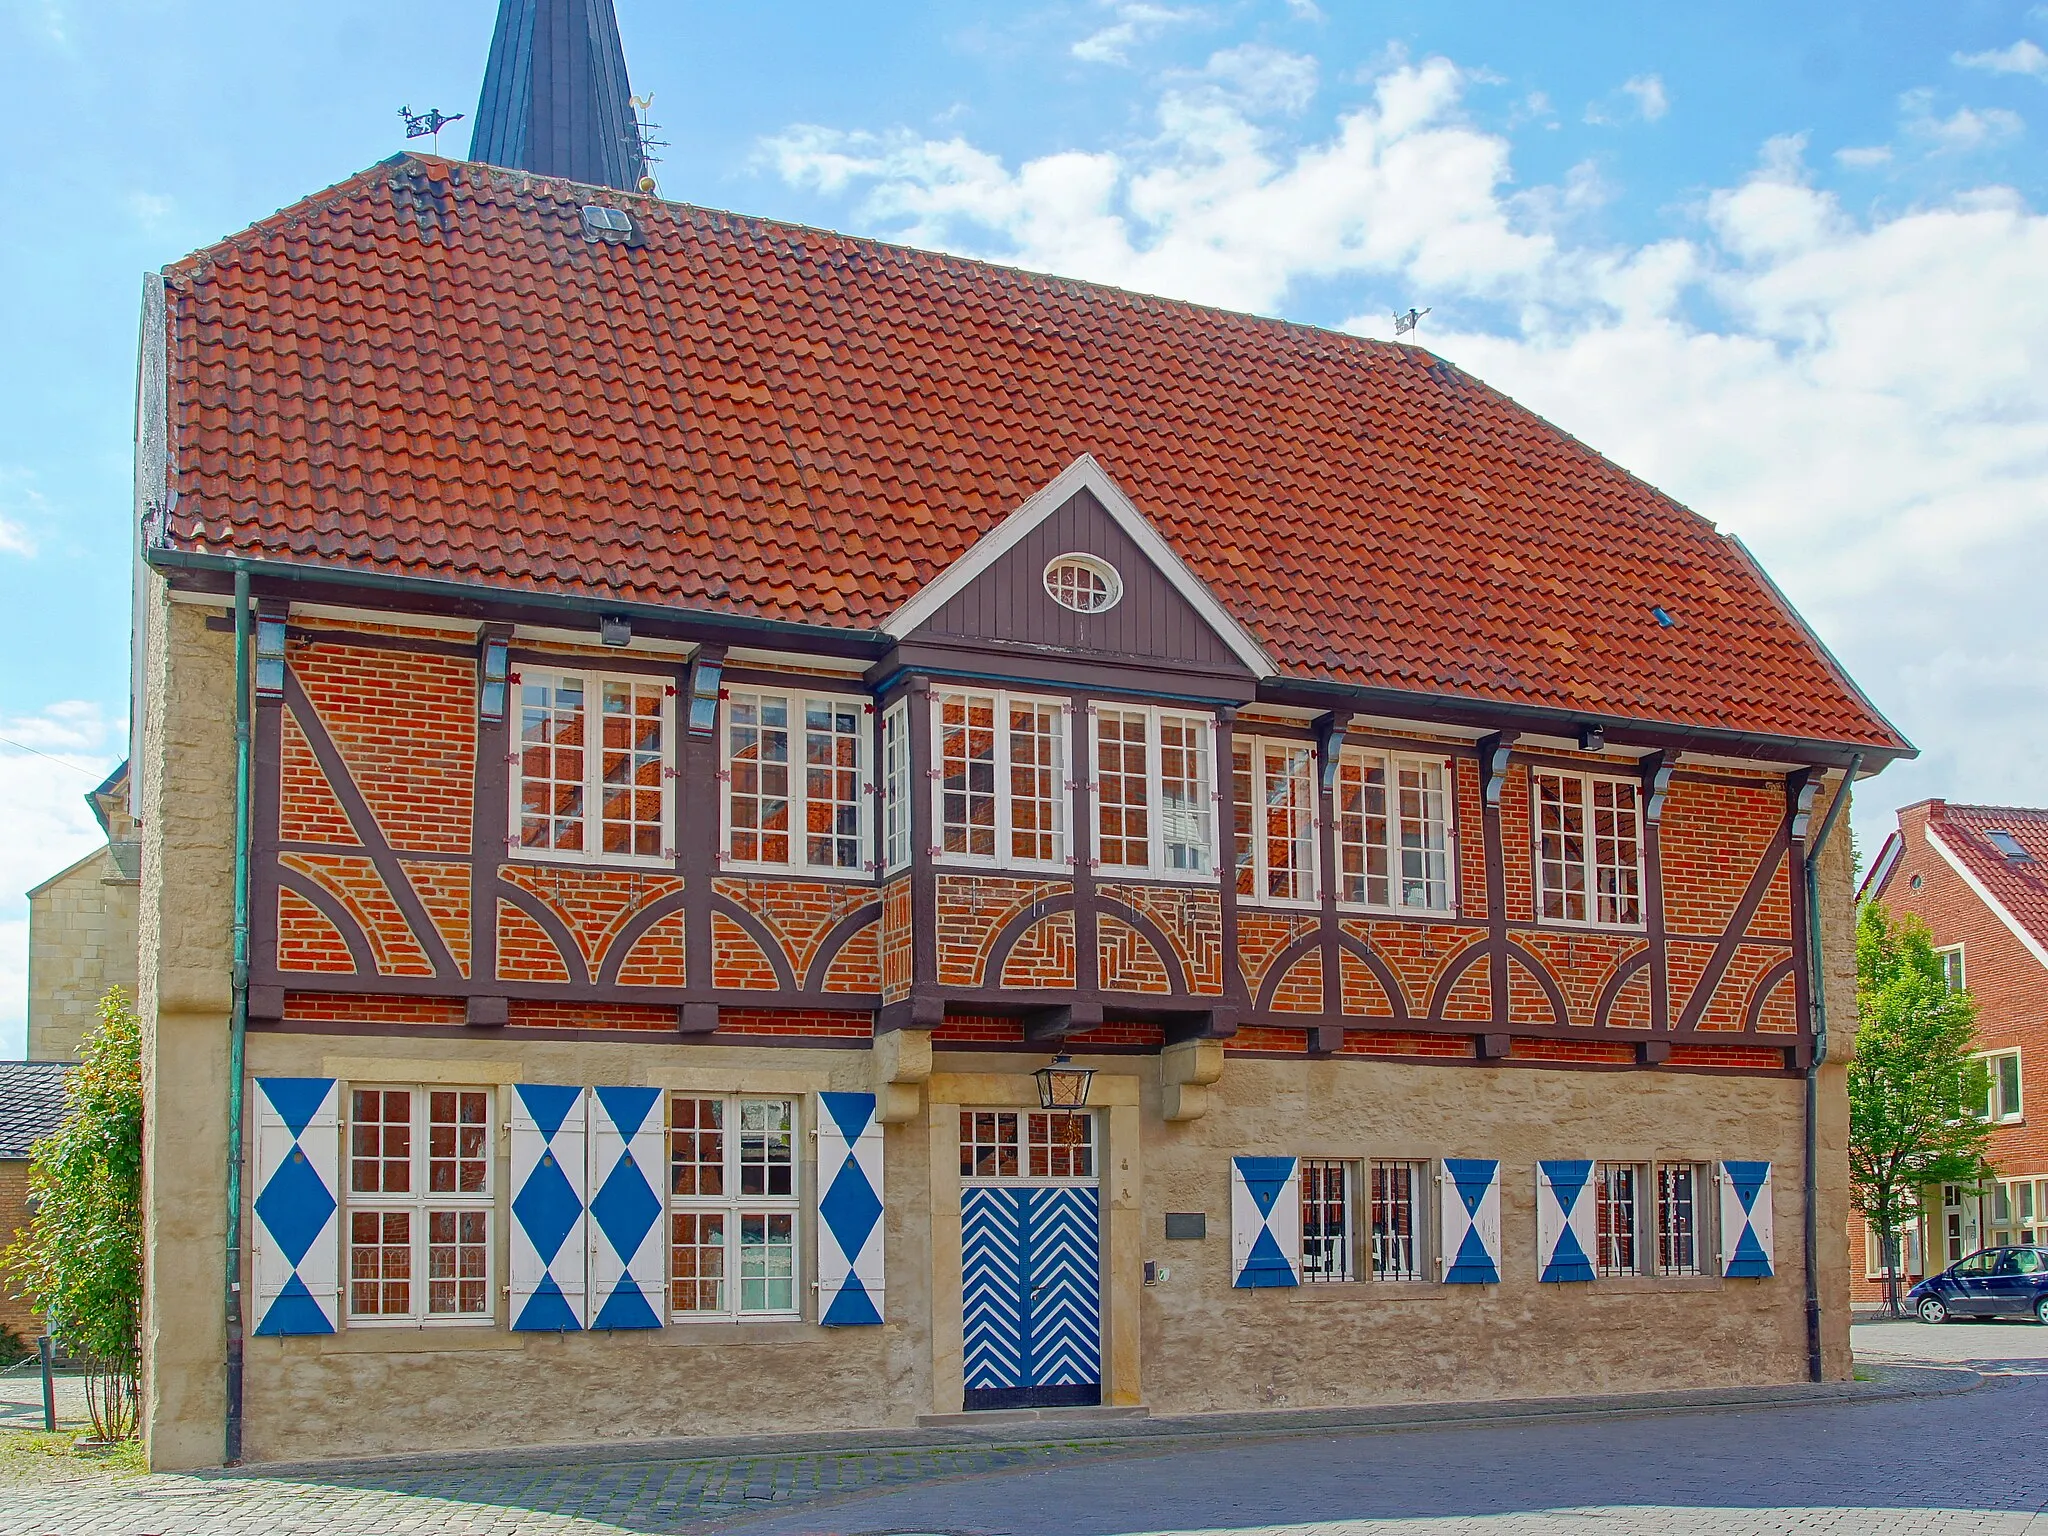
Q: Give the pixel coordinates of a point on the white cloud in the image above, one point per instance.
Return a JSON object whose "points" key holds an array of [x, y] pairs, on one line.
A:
{"points": [[1136, 21], [1640, 98], [1865, 157], [2024, 57], [48, 19], [1305, 10], [1648, 91], [49, 827], [21, 506], [1864, 399], [1262, 79], [1963, 130]]}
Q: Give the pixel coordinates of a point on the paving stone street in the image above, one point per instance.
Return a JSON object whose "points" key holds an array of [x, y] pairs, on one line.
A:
{"points": [[1961, 1461]]}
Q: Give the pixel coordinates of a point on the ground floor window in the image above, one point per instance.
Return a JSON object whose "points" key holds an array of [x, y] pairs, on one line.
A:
{"points": [[732, 1207], [1680, 1205], [1027, 1144], [419, 1205], [1616, 1190], [2019, 1212], [1400, 1224], [1907, 1240], [1325, 1220]]}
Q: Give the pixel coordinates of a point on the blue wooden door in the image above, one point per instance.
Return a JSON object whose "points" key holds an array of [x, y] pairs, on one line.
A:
{"points": [[1031, 1296]]}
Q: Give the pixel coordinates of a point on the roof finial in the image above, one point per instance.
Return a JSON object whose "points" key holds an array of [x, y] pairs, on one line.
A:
{"points": [[556, 99]]}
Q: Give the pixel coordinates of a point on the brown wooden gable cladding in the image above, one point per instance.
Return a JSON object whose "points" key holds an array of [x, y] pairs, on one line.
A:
{"points": [[1006, 610]]}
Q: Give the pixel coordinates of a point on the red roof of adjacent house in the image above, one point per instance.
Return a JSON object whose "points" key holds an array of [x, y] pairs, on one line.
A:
{"points": [[430, 371], [2018, 883]]}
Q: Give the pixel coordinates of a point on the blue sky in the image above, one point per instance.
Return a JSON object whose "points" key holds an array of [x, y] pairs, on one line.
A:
{"points": [[1785, 260]]}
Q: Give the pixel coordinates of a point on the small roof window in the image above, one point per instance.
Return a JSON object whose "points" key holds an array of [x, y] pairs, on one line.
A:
{"points": [[1083, 584], [2008, 845], [602, 223]]}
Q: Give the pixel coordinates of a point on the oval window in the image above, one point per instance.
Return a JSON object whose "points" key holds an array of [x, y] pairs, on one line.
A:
{"points": [[1083, 583]]}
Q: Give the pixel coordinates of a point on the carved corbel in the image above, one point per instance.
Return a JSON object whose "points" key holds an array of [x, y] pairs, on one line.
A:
{"points": [[1187, 1071], [902, 1062]]}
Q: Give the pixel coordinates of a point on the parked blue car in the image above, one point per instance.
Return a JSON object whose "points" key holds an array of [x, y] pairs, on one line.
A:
{"points": [[1992, 1282]]}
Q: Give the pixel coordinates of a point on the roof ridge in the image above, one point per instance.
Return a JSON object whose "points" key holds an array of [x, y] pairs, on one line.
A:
{"points": [[2000, 810]]}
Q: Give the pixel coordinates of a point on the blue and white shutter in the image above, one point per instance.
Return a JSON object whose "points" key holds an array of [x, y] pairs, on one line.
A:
{"points": [[849, 1185], [1265, 1221], [628, 1283], [297, 1261], [1567, 1221], [549, 1216], [1470, 1199], [1746, 1222]]}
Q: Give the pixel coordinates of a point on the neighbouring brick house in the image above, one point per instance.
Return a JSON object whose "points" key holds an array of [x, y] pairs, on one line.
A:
{"points": [[1978, 876], [730, 701], [31, 1107], [81, 931]]}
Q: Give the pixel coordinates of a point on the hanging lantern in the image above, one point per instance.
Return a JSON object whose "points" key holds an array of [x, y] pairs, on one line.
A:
{"points": [[1062, 1085]]}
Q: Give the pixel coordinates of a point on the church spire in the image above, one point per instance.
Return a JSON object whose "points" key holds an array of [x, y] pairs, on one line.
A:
{"points": [[556, 100]]}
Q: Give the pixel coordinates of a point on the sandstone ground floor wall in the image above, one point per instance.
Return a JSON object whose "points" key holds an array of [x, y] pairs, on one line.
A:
{"points": [[1189, 1341]]}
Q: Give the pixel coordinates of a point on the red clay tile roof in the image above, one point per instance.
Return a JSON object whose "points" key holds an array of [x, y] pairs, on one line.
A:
{"points": [[430, 371], [2018, 885]]}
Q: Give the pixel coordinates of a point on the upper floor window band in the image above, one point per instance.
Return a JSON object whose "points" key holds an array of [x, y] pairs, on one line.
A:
{"points": [[790, 813], [1589, 854], [593, 801]]}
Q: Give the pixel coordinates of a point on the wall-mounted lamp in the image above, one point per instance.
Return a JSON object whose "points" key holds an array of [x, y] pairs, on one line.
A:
{"points": [[614, 630], [270, 636], [494, 672], [1062, 1085], [1592, 738]]}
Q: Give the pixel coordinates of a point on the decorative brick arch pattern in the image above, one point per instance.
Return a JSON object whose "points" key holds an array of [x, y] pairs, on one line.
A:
{"points": [[353, 880]]}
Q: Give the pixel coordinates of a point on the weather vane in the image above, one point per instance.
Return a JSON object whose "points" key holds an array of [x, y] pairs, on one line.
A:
{"points": [[1403, 324], [646, 131], [419, 124]]}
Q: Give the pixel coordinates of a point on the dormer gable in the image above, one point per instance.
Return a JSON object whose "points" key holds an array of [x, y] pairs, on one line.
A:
{"points": [[1073, 580]]}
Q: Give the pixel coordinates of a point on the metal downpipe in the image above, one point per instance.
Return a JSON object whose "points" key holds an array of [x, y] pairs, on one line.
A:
{"points": [[1817, 987], [238, 1023]]}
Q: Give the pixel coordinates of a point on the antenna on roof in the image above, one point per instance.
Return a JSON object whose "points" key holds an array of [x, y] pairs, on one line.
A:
{"points": [[647, 129], [1403, 324], [419, 124]]}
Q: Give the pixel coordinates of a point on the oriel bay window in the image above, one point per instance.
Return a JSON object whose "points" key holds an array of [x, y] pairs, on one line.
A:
{"points": [[1589, 857], [796, 791], [1000, 794], [1393, 831], [732, 1208], [1273, 784], [419, 1205], [591, 778], [1155, 808]]}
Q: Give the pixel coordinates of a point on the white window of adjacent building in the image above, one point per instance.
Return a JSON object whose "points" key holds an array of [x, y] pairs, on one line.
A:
{"points": [[1682, 1203], [419, 1205], [2019, 1211], [1589, 851], [1273, 785], [1393, 831], [1327, 1244], [1617, 1190], [1400, 1220], [896, 787], [796, 790], [1000, 794], [732, 1207], [2001, 1100], [1154, 787], [591, 778], [1907, 1243], [1951, 960]]}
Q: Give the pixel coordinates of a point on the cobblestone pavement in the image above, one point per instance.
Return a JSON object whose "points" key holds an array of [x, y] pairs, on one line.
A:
{"points": [[1961, 1463], [21, 1398], [1983, 1344]]}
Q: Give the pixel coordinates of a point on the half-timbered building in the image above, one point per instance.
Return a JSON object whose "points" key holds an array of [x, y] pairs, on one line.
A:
{"points": [[657, 727]]}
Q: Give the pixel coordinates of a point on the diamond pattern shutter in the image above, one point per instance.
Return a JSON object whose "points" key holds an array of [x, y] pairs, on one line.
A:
{"points": [[1470, 1193], [549, 1220], [628, 1236], [1265, 1221], [849, 1185], [1567, 1219], [297, 1261], [1747, 1235]]}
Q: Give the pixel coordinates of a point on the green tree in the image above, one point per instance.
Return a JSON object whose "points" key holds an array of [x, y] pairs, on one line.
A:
{"points": [[1914, 1087], [80, 1261]]}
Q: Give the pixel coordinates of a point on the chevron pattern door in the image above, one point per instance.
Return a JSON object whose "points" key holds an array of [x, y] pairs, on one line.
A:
{"points": [[1031, 1303]]}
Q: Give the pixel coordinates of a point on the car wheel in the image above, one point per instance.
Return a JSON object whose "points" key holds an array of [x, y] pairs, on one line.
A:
{"points": [[1932, 1311], [2041, 1309]]}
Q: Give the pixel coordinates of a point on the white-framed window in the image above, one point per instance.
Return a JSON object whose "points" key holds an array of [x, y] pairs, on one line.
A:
{"points": [[1000, 794], [2001, 1100], [896, 786], [1400, 1220], [1153, 779], [1951, 959], [1907, 1239], [797, 795], [419, 1206], [1589, 849], [1273, 785], [732, 1208], [1327, 1244], [592, 779], [1617, 1188], [1083, 583], [1393, 830], [1682, 1206], [1047, 1146], [2019, 1211]]}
